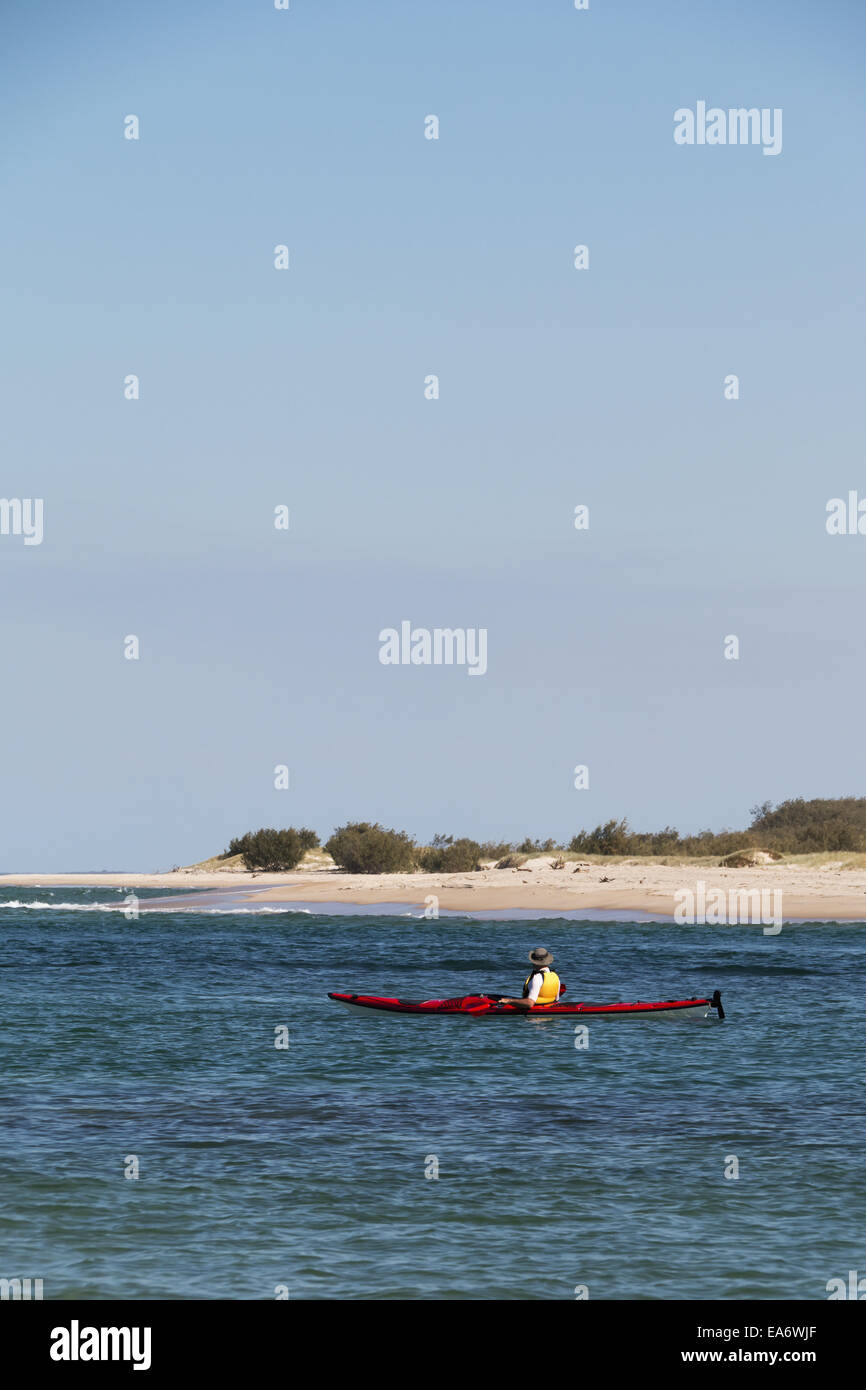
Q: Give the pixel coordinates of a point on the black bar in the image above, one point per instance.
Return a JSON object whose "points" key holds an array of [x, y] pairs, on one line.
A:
{"points": [[647, 1337]]}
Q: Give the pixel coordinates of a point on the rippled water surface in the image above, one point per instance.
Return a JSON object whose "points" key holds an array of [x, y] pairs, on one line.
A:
{"points": [[305, 1166]]}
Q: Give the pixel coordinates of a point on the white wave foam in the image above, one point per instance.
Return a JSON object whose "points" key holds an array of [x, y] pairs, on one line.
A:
{"points": [[66, 907], [142, 907]]}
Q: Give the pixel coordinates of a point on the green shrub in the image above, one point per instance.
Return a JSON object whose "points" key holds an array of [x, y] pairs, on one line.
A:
{"points": [[308, 838], [805, 827], [613, 837], [272, 850], [361, 848], [496, 849], [449, 856]]}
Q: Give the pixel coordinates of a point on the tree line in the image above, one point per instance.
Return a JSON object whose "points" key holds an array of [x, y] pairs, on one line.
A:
{"points": [[796, 826]]}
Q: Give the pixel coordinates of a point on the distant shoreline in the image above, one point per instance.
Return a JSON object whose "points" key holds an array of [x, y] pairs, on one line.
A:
{"points": [[824, 893]]}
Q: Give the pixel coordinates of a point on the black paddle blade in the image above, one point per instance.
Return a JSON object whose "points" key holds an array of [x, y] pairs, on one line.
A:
{"points": [[716, 1003]]}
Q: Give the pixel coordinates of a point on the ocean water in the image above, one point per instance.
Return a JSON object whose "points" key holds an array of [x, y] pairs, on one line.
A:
{"points": [[305, 1167]]}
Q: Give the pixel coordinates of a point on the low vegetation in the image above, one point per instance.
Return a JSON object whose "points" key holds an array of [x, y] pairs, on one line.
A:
{"points": [[445, 855], [793, 827], [361, 848], [272, 851], [819, 827]]}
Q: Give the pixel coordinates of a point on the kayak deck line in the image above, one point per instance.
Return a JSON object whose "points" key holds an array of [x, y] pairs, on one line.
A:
{"points": [[490, 1006]]}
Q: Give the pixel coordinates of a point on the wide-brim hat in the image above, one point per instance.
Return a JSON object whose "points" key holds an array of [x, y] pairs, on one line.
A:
{"points": [[540, 956]]}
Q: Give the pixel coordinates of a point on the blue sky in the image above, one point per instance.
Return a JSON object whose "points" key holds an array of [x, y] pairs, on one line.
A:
{"points": [[558, 387]]}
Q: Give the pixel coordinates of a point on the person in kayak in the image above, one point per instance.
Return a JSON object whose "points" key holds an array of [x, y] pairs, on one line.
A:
{"points": [[542, 985]]}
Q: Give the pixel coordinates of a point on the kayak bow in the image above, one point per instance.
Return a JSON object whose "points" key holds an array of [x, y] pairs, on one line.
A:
{"points": [[489, 1006]]}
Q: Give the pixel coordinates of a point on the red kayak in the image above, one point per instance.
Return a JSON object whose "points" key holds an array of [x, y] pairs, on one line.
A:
{"points": [[489, 1006]]}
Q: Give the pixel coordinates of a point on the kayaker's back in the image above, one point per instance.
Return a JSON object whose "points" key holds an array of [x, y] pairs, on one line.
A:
{"points": [[550, 987]]}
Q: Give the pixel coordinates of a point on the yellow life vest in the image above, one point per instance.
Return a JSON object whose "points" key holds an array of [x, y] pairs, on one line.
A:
{"points": [[549, 992]]}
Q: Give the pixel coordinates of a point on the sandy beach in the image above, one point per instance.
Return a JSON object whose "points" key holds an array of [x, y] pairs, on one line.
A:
{"points": [[828, 892]]}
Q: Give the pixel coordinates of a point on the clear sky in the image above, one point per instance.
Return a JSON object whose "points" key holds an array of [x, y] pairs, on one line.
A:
{"points": [[305, 387]]}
